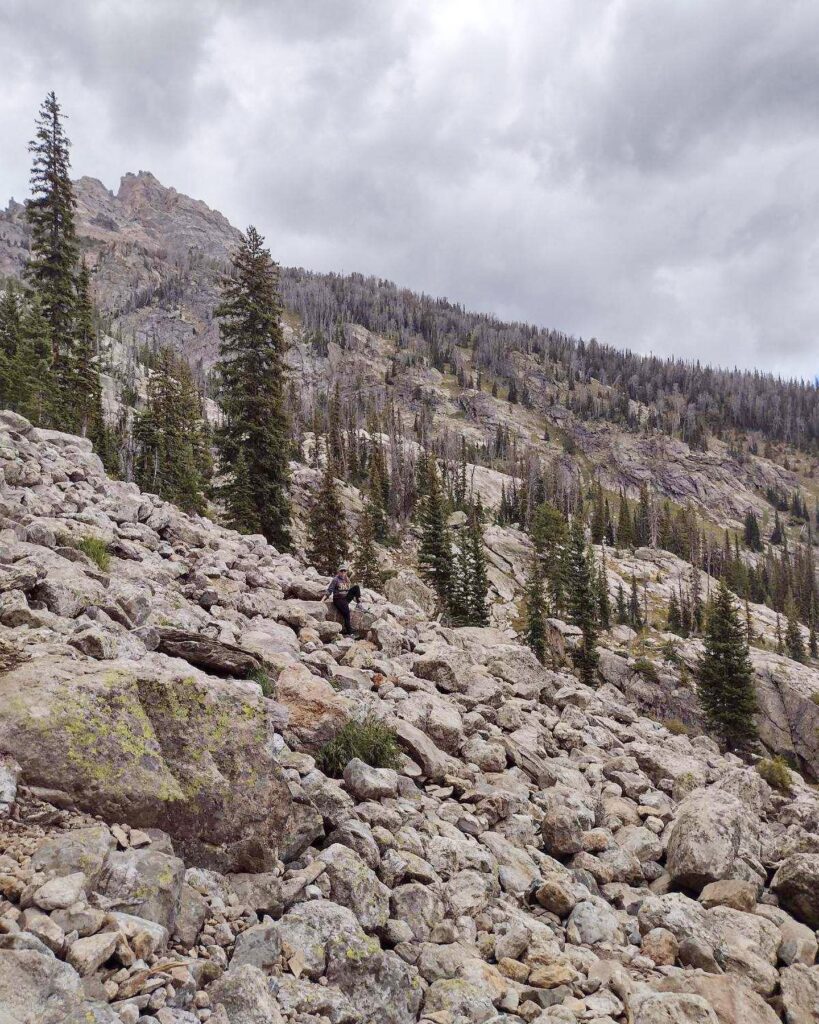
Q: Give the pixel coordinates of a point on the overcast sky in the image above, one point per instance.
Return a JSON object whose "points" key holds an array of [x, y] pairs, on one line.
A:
{"points": [[642, 171]]}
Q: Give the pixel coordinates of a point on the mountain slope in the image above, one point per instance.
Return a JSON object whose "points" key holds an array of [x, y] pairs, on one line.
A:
{"points": [[539, 852]]}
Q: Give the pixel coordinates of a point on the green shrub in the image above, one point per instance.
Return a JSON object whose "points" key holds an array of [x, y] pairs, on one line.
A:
{"points": [[775, 771], [95, 549], [670, 653], [371, 741], [677, 727], [646, 668], [815, 698], [260, 676]]}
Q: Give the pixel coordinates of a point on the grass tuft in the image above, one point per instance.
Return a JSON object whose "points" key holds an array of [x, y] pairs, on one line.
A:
{"points": [[261, 676], [371, 741], [775, 771], [646, 668], [95, 549]]}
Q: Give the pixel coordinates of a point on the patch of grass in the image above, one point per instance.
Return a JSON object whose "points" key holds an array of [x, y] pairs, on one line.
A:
{"points": [[775, 771], [646, 668], [260, 676], [95, 549], [815, 698], [677, 727], [371, 741]]}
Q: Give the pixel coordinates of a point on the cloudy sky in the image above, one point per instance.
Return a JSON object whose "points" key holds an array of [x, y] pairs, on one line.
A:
{"points": [[641, 171]]}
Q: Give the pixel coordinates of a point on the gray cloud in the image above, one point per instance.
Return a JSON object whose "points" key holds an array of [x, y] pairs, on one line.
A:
{"points": [[642, 171]]}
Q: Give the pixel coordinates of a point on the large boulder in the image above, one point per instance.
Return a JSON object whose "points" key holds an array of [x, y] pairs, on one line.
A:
{"points": [[315, 711], [332, 943], [796, 882], [145, 883], [204, 652], [730, 997], [37, 988], [714, 836], [245, 997], [146, 743]]}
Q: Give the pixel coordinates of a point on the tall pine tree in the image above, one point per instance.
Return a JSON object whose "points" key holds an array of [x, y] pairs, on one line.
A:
{"points": [[52, 267], [435, 548], [534, 628], [251, 394], [327, 542], [582, 597], [725, 683]]}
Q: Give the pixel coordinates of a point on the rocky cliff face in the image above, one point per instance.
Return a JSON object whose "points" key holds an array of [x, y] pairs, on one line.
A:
{"points": [[159, 257], [171, 852]]}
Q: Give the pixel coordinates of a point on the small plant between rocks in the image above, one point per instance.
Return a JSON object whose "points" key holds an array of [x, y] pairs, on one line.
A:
{"points": [[96, 549], [646, 668], [261, 676], [775, 771], [370, 740]]}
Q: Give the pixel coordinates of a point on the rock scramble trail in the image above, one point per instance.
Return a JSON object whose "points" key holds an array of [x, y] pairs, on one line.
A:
{"points": [[173, 853]]}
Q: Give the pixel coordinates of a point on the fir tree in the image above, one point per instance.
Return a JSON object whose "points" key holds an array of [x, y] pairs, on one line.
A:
{"points": [[582, 601], [674, 619], [794, 643], [477, 582], [52, 266], [367, 567], [621, 609], [635, 615], [603, 601], [327, 544], [250, 389], [753, 538], [725, 678], [435, 549], [777, 534], [86, 408], [534, 629], [780, 645], [625, 525], [11, 340]]}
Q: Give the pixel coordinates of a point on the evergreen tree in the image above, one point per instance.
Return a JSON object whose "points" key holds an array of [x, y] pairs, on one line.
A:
{"points": [[534, 629], [725, 682], [635, 615], [52, 266], [327, 544], [674, 619], [86, 409], [435, 549], [34, 365], [367, 567], [171, 451], [780, 645], [777, 534], [753, 538], [250, 389], [11, 341], [582, 601], [622, 610], [625, 526], [603, 601], [793, 634], [476, 582]]}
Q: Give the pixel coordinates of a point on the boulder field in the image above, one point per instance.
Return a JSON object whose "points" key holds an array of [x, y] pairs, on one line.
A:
{"points": [[171, 852]]}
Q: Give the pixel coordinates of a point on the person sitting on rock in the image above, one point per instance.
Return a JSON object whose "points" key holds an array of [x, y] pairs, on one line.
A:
{"points": [[342, 594]]}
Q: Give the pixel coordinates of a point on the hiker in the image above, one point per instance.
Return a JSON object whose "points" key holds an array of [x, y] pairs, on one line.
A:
{"points": [[342, 593]]}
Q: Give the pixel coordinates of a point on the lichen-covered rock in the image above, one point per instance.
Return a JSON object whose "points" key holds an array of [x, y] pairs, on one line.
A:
{"points": [[144, 742], [145, 883]]}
